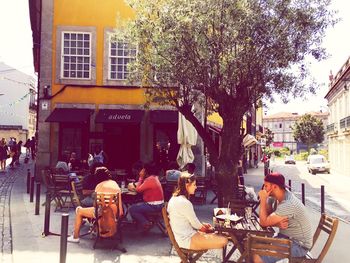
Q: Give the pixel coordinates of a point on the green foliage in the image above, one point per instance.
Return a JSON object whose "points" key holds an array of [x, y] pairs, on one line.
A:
{"points": [[308, 130], [226, 55], [268, 135], [285, 151], [301, 156], [324, 152]]}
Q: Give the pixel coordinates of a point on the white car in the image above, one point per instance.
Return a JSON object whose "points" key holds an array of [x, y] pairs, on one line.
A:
{"points": [[289, 159], [317, 163]]}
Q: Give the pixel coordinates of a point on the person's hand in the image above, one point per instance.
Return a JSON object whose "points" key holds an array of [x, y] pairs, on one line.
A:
{"points": [[283, 224], [263, 194], [121, 212], [142, 173]]}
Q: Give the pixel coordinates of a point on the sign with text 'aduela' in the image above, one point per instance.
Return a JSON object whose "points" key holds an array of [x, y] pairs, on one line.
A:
{"points": [[119, 116]]}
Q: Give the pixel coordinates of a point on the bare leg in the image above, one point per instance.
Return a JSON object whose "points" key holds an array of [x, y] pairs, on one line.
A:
{"points": [[207, 241], [87, 212], [257, 259]]}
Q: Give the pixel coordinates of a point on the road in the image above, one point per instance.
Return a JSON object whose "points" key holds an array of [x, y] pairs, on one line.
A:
{"points": [[337, 192]]}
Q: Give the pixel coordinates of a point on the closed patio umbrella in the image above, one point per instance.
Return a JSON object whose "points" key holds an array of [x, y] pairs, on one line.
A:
{"points": [[186, 137]]}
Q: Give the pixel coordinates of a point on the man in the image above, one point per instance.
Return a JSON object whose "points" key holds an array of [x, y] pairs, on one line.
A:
{"points": [[290, 216]]}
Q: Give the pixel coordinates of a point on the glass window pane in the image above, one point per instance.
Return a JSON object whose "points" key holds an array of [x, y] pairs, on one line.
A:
{"points": [[86, 37], [113, 75], [86, 52], [86, 67], [73, 44], [86, 60], [80, 66], [86, 75], [66, 51], [73, 66], [113, 61], [80, 43], [65, 36], [120, 75], [80, 37], [73, 36], [66, 74]]}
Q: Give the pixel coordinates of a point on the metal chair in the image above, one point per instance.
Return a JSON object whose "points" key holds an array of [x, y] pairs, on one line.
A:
{"points": [[186, 255]]}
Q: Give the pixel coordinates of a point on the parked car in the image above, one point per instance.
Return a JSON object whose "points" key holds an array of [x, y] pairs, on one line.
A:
{"points": [[317, 163], [289, 159]]}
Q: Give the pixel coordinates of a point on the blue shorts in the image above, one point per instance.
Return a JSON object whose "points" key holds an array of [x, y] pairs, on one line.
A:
{"points": [[297, 251]]}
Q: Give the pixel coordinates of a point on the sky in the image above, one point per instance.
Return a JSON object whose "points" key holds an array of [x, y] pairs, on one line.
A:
{"points": [[16, 51]]}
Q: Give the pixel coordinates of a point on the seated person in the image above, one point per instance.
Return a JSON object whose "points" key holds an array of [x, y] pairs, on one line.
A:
{"points": [[74, 163], [173, 172], [290, 216], [62, 167], [105, 185], [152, 193], [190, 168], [189, 232], [89, 184]]}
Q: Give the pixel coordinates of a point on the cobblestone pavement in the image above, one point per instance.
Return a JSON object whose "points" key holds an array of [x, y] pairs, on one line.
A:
{"points": [[6, 182]]}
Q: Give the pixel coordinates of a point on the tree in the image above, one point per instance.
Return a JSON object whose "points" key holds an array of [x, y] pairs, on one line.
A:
{"points": [[225, 55], [308, 130]]}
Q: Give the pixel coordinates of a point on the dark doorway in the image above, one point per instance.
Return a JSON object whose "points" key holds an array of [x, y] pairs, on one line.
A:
{"points": [[122, 145]]}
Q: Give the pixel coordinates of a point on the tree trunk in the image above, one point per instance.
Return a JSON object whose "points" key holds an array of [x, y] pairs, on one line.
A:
{"points": [[229, 156]]}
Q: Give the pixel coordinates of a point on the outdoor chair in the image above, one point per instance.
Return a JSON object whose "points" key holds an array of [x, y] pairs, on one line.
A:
{"points": [[156, 219], [268, 246], [104, 200], [77, 190], [62, 190], [186, 255], [200, 195], [328, 225]]}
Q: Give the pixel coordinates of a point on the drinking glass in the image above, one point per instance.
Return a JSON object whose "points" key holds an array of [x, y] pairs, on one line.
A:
{"points": [[122, 185]]}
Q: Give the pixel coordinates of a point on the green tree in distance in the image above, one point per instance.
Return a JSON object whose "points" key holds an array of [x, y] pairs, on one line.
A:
{"points": [[308, 130], [268, 135], [226, 55]]}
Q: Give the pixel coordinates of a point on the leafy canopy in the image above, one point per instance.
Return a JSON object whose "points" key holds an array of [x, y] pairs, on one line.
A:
{"points": [[308, 130], [232, 51]]}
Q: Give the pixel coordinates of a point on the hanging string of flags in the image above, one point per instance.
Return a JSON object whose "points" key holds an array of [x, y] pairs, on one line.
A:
{"points": [[16, 101], [12, 114]]}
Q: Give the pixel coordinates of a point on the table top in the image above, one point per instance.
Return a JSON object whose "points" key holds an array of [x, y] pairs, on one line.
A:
{"points": [[244, 226]]}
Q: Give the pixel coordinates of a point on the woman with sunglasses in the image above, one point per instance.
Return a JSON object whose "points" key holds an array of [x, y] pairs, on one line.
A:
{"points": [[189, 232]]}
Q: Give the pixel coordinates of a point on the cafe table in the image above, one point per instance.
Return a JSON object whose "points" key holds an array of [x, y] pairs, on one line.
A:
{"points": [[237, 232]]}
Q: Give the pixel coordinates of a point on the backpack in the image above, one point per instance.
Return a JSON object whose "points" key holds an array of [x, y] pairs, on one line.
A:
{"points": [[107, 223]]}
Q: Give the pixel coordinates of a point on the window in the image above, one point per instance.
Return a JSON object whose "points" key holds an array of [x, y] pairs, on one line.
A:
{"points": [[120, 54], [76, 55], [280, 125]]}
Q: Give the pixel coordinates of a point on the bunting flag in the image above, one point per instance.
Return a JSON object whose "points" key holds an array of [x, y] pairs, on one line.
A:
{"points": [[16, 101]]}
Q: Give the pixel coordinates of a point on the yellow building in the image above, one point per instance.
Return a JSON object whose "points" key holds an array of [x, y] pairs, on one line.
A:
{"points": [[84, 98]]}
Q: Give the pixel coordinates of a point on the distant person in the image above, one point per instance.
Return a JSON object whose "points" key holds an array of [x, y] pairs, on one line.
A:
{"points": [[99, 155], [33, 147], [244, 163], [74, 163], [240, 175], [189, 232], [190, 168], [255, 160], [3, 154]]}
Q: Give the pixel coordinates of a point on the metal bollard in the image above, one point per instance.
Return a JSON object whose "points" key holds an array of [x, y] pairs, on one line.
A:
{"points": [[37, 198], [322, 199], [31, 192], [290, 184], [28, 181], [64, 234], [47, 214], [303, 193]]}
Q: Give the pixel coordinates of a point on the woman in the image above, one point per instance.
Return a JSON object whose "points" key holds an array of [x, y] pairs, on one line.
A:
{"points": [[3, 154], [106, 185], [152, 193], [189, 232]]}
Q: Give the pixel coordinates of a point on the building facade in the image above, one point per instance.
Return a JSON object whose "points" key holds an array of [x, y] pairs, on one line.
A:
{"points": [[17, 104], [85, 101], [338, 129], [281, 126]]}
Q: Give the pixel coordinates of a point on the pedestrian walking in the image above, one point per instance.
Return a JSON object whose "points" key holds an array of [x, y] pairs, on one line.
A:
{"points": [[255, 160], [3, 154]]}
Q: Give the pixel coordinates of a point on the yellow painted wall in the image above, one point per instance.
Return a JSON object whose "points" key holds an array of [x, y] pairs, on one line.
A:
{"points": [[99, 14]]}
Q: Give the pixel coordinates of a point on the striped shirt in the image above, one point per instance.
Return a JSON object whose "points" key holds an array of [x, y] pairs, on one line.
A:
{"points": [[299, 225]]}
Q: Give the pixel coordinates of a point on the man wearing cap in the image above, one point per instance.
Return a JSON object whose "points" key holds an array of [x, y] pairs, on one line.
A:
{"points": [[290, 216]]}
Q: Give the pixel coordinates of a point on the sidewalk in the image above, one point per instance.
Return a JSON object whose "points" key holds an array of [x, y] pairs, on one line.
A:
{"points": [[29, 245]]}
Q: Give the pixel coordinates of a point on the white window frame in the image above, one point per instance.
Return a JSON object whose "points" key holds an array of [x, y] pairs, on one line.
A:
{"points": [[124, 67], [63, 55]]}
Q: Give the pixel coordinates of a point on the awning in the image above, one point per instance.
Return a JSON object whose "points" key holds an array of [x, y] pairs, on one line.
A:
{"points": [[249, 140], [69, 115], [164, 116], [119, 116]]}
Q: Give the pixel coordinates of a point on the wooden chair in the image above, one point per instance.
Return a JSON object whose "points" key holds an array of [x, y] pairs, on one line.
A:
{"points": [[329, 225], [62, 190], [102, 200], [77, 190], [156, 219], [186, 255], [268, 246]]}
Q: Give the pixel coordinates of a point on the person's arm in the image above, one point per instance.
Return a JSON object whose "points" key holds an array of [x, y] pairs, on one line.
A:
{"points": [[189, 213], [270, 219], [143, 185], [121, 212]]}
